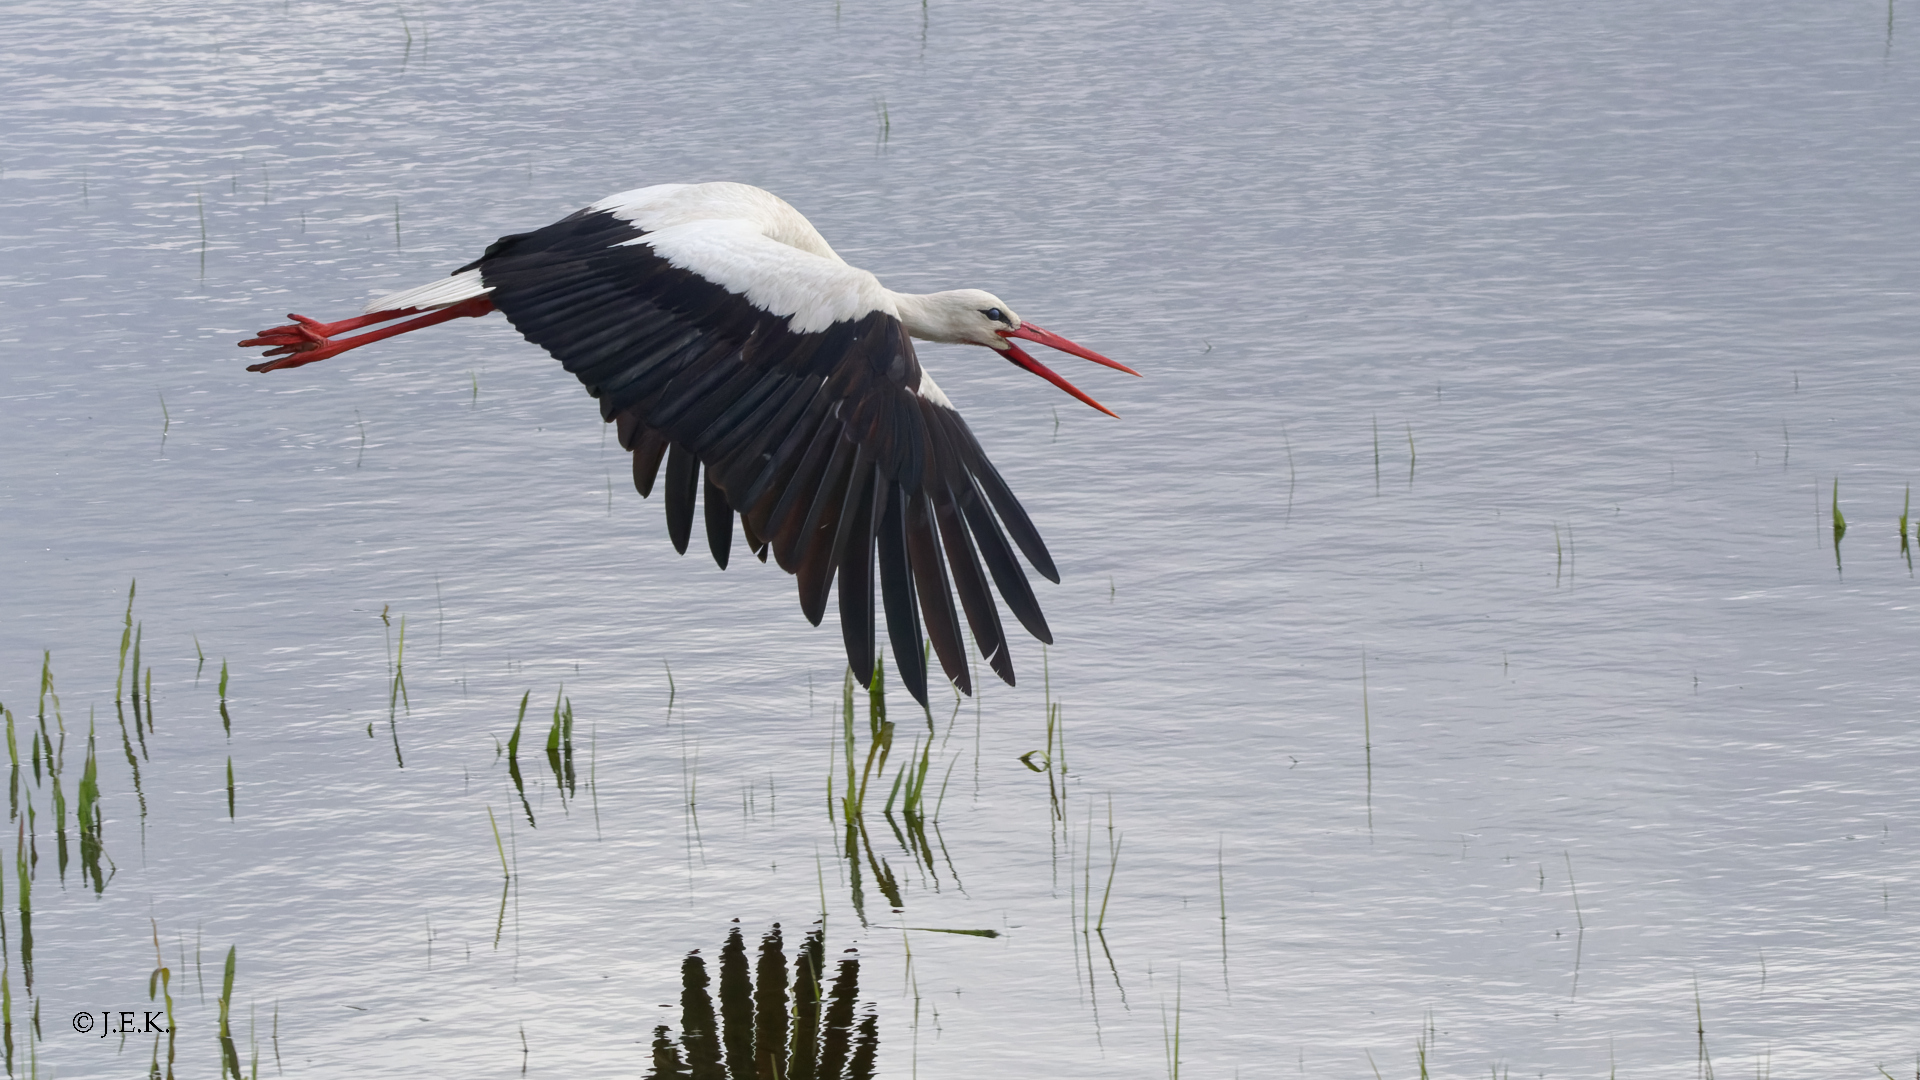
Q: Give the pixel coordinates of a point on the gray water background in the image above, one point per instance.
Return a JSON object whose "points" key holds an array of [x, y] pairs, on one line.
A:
{"points": [[1644, 273]]}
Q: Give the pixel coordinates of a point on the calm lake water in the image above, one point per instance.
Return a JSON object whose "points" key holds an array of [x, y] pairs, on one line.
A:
{"points": [[1457, 598]]}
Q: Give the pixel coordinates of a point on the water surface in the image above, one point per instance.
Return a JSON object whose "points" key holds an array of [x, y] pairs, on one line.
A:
{"points": [[1510, 352]]}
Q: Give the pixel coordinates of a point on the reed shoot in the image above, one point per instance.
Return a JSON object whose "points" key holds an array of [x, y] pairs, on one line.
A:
{"points": [[1291, 477], [1220, 875], [498, 846], [513, 758], [92, 824], [397, 690], [229, 1054], [126, 639], [1906, 551], [160, 987], [1376, 454]]}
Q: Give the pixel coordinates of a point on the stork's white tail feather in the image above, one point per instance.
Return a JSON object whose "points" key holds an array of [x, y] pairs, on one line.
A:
{"points": [[436, 294]]}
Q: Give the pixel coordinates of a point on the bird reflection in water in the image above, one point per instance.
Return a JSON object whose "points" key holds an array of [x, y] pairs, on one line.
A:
{"points": [[811, 1030]]}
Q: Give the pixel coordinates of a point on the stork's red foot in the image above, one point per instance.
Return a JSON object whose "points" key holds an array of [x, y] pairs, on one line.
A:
{"points": [[302, 341]]}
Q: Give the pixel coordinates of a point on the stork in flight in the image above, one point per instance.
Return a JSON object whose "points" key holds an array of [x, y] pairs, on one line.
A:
{"points": [[721, 333]]}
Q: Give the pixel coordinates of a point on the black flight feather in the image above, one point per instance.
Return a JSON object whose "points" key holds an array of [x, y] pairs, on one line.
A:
{"points": [[683, 480]]}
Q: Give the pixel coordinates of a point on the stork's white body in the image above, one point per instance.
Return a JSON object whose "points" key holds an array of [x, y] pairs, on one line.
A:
{"points": [[741, 238]]}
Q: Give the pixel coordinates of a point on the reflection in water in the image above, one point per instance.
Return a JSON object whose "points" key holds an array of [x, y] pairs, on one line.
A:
{"points": [[769, 1031]]}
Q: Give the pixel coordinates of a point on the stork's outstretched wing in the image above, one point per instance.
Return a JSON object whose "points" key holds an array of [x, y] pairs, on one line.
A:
{"points": [[780, 385]]}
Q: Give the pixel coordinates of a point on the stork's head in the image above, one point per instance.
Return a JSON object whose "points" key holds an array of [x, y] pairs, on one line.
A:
{"points": [[974, 317]]}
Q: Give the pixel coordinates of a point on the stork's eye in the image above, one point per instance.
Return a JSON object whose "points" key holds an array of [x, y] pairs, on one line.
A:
{"points": [[996, 315]]}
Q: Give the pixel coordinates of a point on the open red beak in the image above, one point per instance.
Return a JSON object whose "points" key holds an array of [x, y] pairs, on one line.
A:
{"points": [[1019, 358]]}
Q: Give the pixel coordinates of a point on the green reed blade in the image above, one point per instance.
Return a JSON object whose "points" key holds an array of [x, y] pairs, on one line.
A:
{"points": [[126, 639], [566, 745], [513, 758], [898, 779], [498, 846], [138, 632], [59, 821], [553, 753], [23, 870], [92, 824], [229, 1053], [6, 1016], [13, 755]]}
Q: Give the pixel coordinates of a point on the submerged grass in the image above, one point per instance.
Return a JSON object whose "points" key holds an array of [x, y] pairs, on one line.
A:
{"points": [[906, 812], [1580, 920], [1906, 552], [23, 870], [499, 847], [1839, 523], [139, 632], [506, 880], [689, 777], [13, 754], [1220, 876], [1366, 722], [229, 1053], [6, 1003], [1291, 477], [126, 639], [1376, 455], [160, 988], [1171, 1035], [1704, 1062], [560, 747], [397, 683], [92, 822], [513, 758]]}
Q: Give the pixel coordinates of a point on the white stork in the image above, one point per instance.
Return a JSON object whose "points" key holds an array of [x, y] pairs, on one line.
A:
{"points": [[721, 332]]}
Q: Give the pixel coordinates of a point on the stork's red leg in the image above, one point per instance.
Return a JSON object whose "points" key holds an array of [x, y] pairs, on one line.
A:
{"points": [[306, 331], [305, 340]]}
